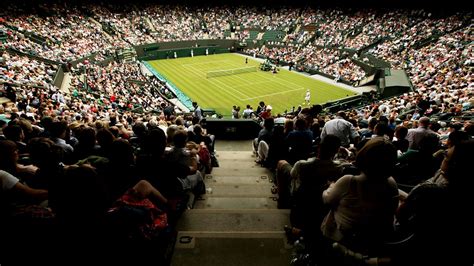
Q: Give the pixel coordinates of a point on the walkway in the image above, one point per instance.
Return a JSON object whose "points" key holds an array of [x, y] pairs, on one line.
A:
{"points": [[237, 222]]}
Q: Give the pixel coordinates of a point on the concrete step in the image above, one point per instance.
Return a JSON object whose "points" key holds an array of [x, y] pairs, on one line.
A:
{"points": [[6, 100], [237, 221], [231, 180], [66, 84], [237, 203], [237, 155], [239, 169], [223, 249], [238, 163], [231, 220], [233, 145], [230, 234], [149, 24], [232, 237], [238, 190]]}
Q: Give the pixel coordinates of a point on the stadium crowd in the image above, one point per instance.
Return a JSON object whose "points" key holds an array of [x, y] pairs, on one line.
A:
{"points": [[84, 157], [71, 33]]}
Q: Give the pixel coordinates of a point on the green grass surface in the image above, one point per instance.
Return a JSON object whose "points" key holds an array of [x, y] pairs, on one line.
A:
{"points": [[282, 90]]}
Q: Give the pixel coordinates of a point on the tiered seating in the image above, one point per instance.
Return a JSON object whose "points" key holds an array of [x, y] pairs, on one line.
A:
{"points": [[273, 35]]}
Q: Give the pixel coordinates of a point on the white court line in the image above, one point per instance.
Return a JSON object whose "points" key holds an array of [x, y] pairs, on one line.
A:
{"points": [[196, 71], [271, 94], [265, 76], [222, 83], [227, 62], [232, 88], [268, 80], [236, 76], [315, 76], [189, 66], [204, 72], [203, 63], [251, 84], [247, 83]]}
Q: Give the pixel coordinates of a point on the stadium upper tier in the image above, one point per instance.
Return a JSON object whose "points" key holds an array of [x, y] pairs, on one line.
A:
{"points": [[435, 50]]}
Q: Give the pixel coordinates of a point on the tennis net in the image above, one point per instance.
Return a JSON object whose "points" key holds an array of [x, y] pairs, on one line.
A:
{"points": [[228, 72]]}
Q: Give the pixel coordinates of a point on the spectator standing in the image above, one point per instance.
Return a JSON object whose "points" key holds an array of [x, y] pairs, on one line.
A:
{"points": [[307, 97], [342, 128], [261, 107], [197, 111]]}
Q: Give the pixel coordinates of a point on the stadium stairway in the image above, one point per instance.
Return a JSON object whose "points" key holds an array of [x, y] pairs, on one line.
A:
{"points": [[237, 221], [66, 84], [111, 40], [181, 106], [149, 24]]}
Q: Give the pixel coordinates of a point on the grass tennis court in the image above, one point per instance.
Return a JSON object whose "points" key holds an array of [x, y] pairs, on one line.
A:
{"points": [[282, 90]]}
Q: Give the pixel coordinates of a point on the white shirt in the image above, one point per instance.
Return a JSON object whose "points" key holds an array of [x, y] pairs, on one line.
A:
{"points": [[7, 181], [341, 128]]}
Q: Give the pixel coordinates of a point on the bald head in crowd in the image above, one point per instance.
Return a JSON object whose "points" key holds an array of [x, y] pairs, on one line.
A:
{"points": [[424, 121], [416, 135]]}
